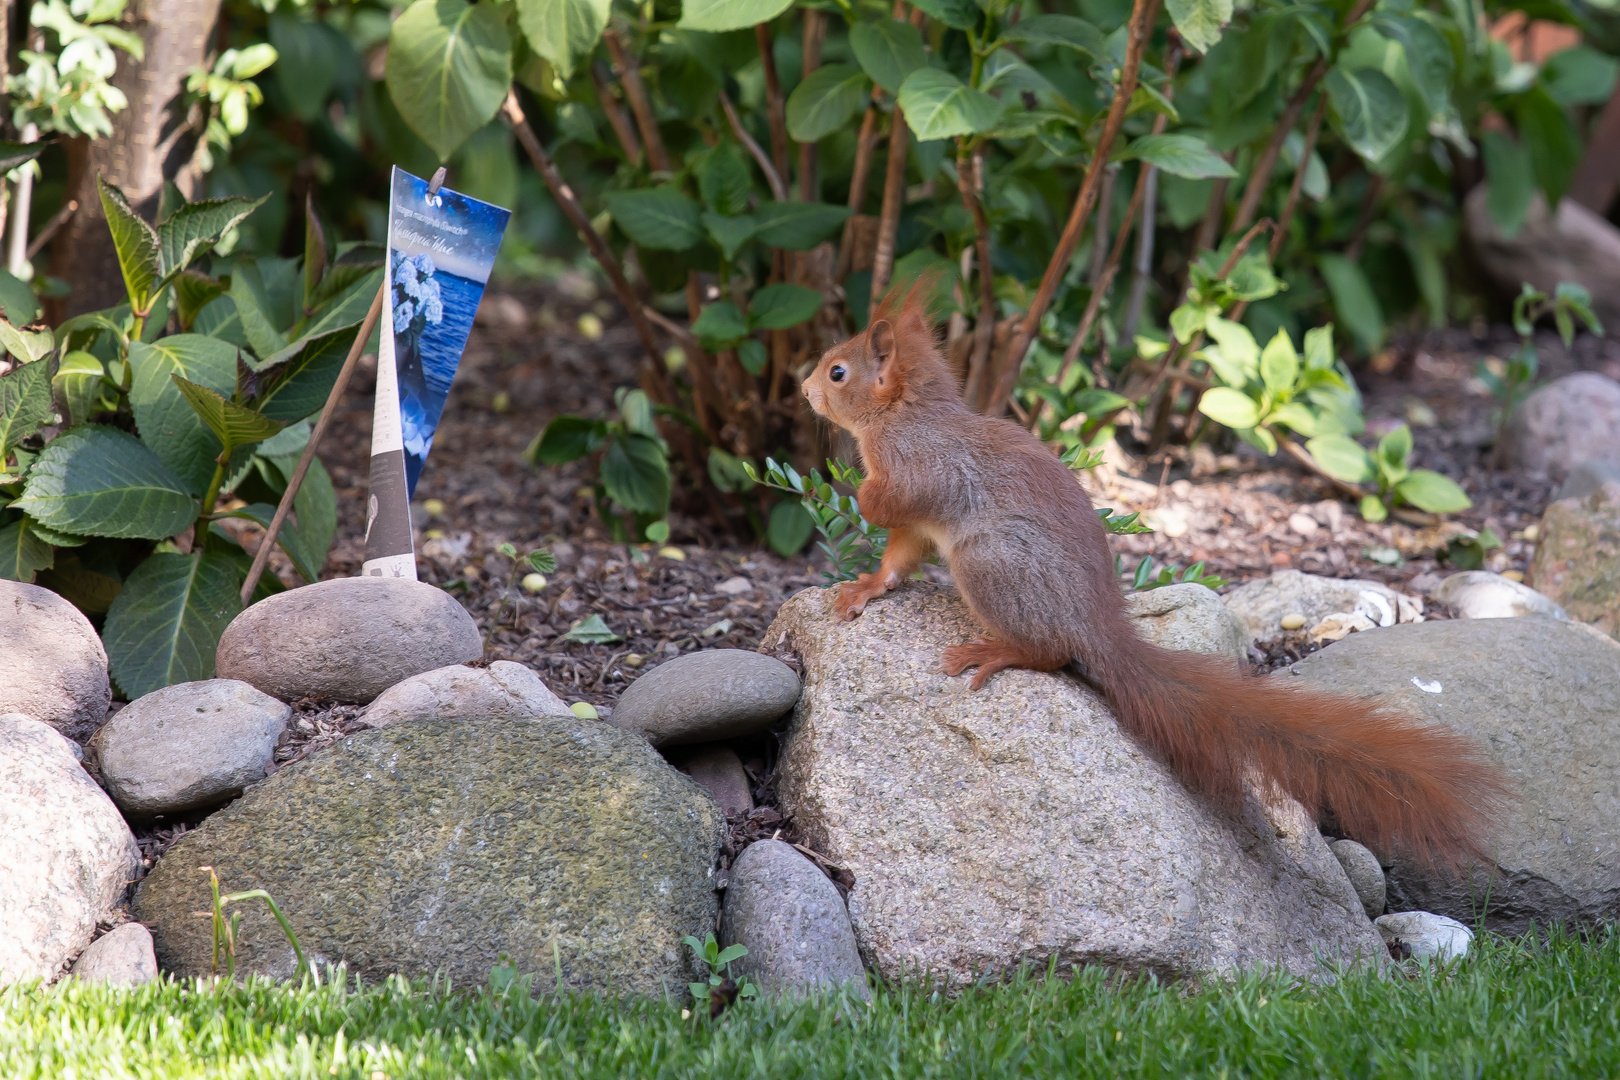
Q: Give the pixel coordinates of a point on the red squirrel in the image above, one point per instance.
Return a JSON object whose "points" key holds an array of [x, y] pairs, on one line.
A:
{"points": [[1031, 559]]}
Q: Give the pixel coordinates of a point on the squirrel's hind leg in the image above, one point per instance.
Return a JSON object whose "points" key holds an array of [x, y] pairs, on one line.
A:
{"points": [[993, 656]]}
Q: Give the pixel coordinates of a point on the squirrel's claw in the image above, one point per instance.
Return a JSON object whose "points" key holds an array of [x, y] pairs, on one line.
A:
{"points": [[853, 595]]}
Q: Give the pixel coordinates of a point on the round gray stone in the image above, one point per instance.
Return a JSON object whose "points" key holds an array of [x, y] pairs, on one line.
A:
{"points": [[504, 689], [721, 773], [122, 956], [1189, 617], [66, 855], [1423, 935], [792, 921], [188, 746], [346, 640], [707, 697], [1571, 420], [436, 846], [56, 669], [1361, 867]]}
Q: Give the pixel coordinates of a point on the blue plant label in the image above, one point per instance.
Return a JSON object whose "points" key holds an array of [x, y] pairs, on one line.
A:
{"points": [[440, 251]]}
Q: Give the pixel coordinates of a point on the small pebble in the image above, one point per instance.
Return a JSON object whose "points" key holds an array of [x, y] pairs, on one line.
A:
{"points": [[584, 710], [1514, 575], [590, 327], [1532, 532], [434, 507], [634, 659], [673, 553], [534, 582], [1303, 524], [501, 401], [1293, 621]]}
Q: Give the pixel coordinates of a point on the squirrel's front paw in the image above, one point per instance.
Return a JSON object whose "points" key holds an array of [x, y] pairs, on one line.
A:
{"points": [[853, 595]]}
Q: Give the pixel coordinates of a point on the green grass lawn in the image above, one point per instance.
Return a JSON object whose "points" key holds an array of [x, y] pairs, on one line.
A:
{"points": [[1511, 1010]]}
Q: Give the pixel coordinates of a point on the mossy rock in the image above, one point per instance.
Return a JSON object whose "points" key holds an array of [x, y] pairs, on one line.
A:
{"points": [[435, 846]]}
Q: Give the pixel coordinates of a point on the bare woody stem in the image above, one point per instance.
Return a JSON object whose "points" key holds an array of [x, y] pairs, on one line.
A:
{"points": [[564, 195], [1143, 13], [815, 29], [775, 107], [894, 197], [616, 118], [865, 144], [1313, 129], [969, 171], [635, 91], [772, 177]]}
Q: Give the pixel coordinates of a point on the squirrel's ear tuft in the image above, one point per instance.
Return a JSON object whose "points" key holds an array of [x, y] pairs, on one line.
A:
{"points": [[881, 336]]}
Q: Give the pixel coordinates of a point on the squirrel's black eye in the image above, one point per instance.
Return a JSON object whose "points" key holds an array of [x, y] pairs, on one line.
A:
{"points": [[837, 373]]}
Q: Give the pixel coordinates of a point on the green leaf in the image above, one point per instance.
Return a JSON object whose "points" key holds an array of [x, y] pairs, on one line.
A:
{"points": [[165, 625], [1554, 146], [299, 385], [592, 630], [76, 386], [1342, 458], [1188, 319], [717, 16], [730, 953], [26, 345], [637, 410], [720, 323], [1432, 492], [1319, 348], [565, 439], [888, 50], [234, 425], [1369, 109], [22, 553], [197, 226], [25, 405], [790, 528], [1279, 364], [1373, 509], [1065, 30], [1510, 181], [660, 218], [635, 474], [564, 32], [1576, 76], [257, 307], [1393, 451], [1239, 359], [724, 179], [752, 356], [1233, 408], [1180, 155], [194, 291], [938, 105], [307, 62], [777, 307], [826, 101], [1200, 21], [15, 154], [798, 226], [1295, 416], [1258, 437], [449, 68], [961, 14], [306, 537], [1428, 56], [17, 301], [1353, 300], [99, 481], [729, 233], [140, 253], [167, 424]]}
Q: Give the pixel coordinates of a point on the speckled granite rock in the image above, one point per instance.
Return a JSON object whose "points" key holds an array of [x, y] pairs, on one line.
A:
{"points": [[1542, 697], [347, 639], [1018, 823], [66, 854], [1577, 562], [438, 845], [1190, 617], [55, 666]]}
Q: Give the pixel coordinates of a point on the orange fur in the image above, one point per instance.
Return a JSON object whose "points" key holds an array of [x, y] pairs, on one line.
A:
{"points": [[1032, 562]]}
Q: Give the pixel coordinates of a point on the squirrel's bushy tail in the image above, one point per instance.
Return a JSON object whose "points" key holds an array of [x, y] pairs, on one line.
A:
{"points": [[1391, 781]]}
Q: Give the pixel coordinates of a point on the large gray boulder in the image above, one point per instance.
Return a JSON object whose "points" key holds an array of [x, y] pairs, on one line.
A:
{"points": [[66, 855], [1018, 824], [1573, 420], [1570, 243], [55, 667], [503, 690], [707, 696], [793, 923], [1577, 562], [1263, 603], [439, 845], [1191, 617], [1542, 697], [188, 746], [347, 639]]}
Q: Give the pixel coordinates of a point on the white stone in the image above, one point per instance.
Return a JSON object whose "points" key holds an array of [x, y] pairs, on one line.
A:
{"points": [[502, 691], [66, 856], [734, 586], [55, 667], [123, 956], [1424, 936], [1264, 602], [1479, 594]]}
